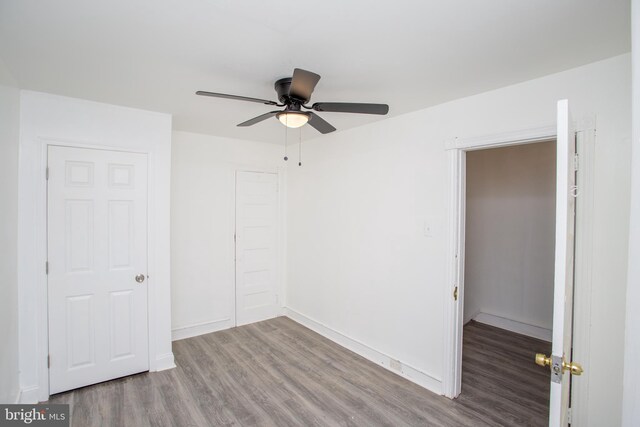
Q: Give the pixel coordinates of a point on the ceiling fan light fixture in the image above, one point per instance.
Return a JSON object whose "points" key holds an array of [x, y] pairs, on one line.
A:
{"points": [[293, 119], [295, 92]]}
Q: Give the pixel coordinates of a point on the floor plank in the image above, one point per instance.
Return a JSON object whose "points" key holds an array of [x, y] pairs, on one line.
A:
{"points": [[279, 373]]}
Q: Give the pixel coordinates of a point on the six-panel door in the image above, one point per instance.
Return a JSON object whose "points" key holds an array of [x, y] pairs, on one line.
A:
{"points": [[97, 245]]}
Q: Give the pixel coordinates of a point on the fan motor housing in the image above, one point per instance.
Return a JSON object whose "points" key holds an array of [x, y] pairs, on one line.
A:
{"points": [[282, 87]]}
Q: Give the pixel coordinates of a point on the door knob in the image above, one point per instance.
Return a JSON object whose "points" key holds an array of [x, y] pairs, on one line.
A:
{"points": [[574, 368], [542, 360], [140, 278]]}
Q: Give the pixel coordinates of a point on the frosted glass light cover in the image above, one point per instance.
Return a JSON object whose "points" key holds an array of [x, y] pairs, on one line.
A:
{"points": [[293, 120]]}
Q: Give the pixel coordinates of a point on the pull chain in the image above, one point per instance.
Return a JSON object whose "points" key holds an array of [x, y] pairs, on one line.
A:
{"points": [[286, 133], [300, 147]]}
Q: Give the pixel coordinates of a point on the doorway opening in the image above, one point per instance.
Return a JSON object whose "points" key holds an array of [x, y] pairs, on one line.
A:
{"points": [[509, 277], [575, 153]]}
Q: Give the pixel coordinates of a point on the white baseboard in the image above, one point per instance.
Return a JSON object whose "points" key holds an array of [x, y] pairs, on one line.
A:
{"points": [[468, 319], [165, 361], [200, 329], [514, 326], [411, 373], [29, 395]]}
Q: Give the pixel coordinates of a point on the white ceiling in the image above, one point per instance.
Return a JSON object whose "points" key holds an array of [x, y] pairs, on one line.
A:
{"points": [[154, 54]]}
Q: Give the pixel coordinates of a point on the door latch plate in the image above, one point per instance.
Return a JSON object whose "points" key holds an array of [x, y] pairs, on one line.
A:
{"points": [[556, 369]]}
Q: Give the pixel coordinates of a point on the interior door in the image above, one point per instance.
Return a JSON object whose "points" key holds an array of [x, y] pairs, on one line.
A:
{"points": [[560, 361], [256, 246], [97, 264]]}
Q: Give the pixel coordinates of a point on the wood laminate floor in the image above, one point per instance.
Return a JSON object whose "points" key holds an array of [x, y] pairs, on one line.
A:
{"points": [[279, 373]]}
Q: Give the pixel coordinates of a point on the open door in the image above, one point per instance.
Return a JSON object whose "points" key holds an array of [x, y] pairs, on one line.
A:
{"points": [[562, 368]]}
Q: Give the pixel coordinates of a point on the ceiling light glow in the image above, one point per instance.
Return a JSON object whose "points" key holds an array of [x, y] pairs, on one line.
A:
{"points": [[293, 119]]}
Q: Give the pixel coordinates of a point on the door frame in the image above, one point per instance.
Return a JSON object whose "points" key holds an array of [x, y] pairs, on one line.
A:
{"points": [[40, 246], [281, 236], [454, 309]]}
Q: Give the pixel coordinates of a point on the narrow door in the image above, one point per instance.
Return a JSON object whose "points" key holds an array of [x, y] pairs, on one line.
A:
{"points": [[97, 263], [560, 363], [256, 246]]}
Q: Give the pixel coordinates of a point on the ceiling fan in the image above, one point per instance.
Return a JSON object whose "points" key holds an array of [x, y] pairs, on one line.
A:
{"points": [[294, 93]]}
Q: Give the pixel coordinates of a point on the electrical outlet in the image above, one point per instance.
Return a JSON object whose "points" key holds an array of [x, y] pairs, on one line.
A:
{"points": [[395, 365]]}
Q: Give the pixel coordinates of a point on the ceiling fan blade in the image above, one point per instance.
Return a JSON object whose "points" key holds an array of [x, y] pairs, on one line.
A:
{"points": [[351, 107], [236, 97], [303, 83], [320, 124], [258, 119]]}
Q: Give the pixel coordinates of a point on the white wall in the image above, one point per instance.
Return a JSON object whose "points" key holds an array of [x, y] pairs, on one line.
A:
{"points": [[360, 264], [510, 234], [50, 119], [632, 339], [9, 138], [203, 224]]}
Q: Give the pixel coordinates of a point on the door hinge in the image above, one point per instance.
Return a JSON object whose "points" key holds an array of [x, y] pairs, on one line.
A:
{"points": [[46, 173], [234, 237], [574, 191], [576, 162], [455, 293], [48, 361], [569, 416], [46, 267]]}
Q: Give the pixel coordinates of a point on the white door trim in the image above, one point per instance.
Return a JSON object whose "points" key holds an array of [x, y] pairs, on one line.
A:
{"points": [[583, 259], [453, 310], [39, 251]]}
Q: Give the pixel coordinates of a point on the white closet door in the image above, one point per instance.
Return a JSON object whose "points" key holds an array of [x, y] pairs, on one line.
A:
{"points": [[256, 246], [563, 281], [97, 259]]}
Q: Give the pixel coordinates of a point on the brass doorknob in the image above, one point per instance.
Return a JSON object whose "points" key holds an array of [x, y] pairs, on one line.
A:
{"points": [[542, 360], [574, 368]]}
